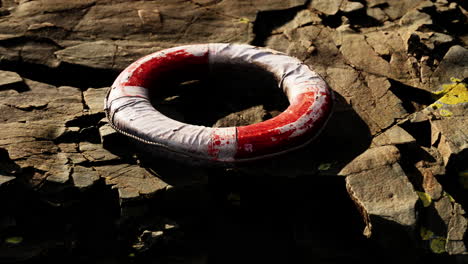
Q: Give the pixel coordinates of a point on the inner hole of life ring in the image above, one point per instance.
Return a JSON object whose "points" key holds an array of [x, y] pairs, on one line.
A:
{"points": [[223, 96]]}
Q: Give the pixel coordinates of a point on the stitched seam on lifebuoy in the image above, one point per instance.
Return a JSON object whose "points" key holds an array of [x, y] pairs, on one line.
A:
{"points": [[211, 160]]}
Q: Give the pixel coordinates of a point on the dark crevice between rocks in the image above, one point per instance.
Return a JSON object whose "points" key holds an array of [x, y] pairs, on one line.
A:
{"points": [[413, 99], [20, 87], [418, 49], [151, 215], [454, 181], [83, 101], [399, 242], [386, 57], [31, 178], [7, 165], [356, 19], [441, 49], [89, 134], [331, 21], [411, 154], [382, 5], [267, 21], [85, 120], [97, 163], [20, 40], [462, 3], [65, 74], [429, 217], [69, 137], [360, 19], [88, 129], [28, 108], [4, 11], [421, 131], [121, 146], [77, 225], [288, 216], [367, 230], [451, 21]]}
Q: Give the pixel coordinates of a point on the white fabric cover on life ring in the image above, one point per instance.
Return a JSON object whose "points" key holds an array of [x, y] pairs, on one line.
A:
{"points": [[130, 112]]}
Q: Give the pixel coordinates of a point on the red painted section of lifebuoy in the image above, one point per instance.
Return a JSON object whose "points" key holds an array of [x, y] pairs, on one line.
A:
{"points": [[277, 134], [176, 62]]}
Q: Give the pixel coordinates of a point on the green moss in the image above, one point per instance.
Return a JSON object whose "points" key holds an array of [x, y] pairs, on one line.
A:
{"points": [[425, 233], [324, 166], [438, 245], [425, 198], [14, 240]]}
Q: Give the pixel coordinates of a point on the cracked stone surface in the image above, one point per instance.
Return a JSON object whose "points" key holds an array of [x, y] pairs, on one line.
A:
{"points": [[380, 187], [251, 115], [94, 99], [9, 78], [453, 64], [393, 136], [327, 7], [391, 161], [99, 54]]}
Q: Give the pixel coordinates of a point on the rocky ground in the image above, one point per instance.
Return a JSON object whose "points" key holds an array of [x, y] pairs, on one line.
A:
{"points": [[385, 182]]}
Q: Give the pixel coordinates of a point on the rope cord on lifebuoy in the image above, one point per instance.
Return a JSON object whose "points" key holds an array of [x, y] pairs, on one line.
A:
{"points": [[131, 113]]}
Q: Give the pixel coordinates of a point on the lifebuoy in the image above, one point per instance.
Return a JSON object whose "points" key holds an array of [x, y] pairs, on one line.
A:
{"points": [[130, 111]]}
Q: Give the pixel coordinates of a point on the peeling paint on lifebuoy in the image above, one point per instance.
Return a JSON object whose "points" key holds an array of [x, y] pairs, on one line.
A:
{"points": [[131, 113]]}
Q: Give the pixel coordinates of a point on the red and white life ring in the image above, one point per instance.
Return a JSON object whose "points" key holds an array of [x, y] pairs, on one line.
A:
{"points": [[130, 112]]}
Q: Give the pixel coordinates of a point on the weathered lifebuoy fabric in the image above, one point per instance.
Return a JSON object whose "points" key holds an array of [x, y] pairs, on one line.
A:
{"points": [[130, 112]]}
